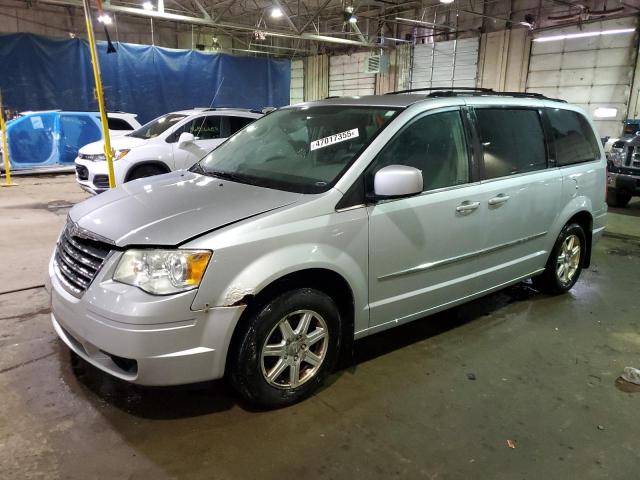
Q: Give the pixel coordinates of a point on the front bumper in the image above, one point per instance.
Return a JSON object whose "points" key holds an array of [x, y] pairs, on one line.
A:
{"points": [[624, 182], [93, 177], [140, 338]]}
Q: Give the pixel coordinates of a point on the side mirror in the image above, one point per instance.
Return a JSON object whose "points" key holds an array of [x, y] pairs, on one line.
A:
{"points": [[185, 139], [397, 181]]}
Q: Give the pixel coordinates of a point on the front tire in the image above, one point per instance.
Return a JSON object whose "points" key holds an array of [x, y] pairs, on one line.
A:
{"points": [[286, 348], [565, 262]]}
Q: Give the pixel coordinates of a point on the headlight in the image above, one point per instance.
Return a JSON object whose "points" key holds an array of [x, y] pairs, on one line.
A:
{"points": [[162, 272], [616, 156]]}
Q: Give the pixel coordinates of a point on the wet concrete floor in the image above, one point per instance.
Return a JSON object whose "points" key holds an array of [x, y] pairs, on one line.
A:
{"points": [[441, 398]]}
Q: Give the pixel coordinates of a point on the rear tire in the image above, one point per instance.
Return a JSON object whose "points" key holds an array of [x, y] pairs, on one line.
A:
{"points": [[565, 262], [617, 199], [145, 171], [287, 348]]}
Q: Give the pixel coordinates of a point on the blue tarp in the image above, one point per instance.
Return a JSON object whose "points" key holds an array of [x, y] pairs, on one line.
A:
{"points": [[40, 73]]}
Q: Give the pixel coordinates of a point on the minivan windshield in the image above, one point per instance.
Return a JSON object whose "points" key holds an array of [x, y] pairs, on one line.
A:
{"points": [[301, 150], [157, 126]]}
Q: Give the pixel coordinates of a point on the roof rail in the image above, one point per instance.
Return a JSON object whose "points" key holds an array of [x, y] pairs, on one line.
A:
{"points": [[449, 89], [455, 91]]}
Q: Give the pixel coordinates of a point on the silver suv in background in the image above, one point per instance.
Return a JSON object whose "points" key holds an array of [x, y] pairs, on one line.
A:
{"points": [[322, 223]]}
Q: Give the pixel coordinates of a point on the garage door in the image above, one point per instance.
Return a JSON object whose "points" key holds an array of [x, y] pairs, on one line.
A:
{"points": [[347, 76], [452, 63], [592, 72], [296, 94]]}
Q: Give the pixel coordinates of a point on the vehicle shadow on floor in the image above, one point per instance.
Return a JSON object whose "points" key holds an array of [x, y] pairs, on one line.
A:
{"points": [[165, 403]]}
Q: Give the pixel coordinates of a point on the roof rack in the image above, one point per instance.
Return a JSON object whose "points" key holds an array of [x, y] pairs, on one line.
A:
{"points": [[455, 91]]}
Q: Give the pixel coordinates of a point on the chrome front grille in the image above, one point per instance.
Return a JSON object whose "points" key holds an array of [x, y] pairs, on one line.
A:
{"points": [[78, 259]]}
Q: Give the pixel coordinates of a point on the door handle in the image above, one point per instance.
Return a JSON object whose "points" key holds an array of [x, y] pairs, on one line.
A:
{"points": [[499, 200], [467, 207]]}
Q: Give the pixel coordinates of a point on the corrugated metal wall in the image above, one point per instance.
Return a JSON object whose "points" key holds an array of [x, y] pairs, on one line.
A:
{"points": [[452, 63], [591, 72], [297, 82], [347, 77]]}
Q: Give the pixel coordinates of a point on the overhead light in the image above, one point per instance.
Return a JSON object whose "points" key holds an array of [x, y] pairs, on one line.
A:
{"points": [[605, 112], [104, 18], [276, 12], [569, 36], [446, 1], [353, 18], [147, 6]]}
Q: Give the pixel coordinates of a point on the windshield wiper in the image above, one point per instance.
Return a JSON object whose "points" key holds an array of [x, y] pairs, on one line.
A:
{"points": [[234, 177]]}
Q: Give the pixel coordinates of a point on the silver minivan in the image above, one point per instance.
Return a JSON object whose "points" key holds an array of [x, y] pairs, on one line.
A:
{"points": [[323, 223]]}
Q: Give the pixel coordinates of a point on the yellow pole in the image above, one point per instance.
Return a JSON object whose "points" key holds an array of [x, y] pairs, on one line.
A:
{"points": [[108, 153], [5, 147]]}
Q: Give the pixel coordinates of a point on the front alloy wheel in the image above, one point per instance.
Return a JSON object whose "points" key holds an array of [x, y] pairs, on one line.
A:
{"points": [[291, 357], [285, 347]]}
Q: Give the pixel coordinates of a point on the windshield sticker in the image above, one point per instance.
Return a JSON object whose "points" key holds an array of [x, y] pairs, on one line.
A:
{"points": [[331, 139]]}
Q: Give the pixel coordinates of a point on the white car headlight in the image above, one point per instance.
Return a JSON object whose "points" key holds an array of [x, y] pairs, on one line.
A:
{"points": [[162, 272]]}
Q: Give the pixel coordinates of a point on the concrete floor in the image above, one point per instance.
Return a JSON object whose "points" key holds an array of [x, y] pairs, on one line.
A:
{"points": [[546, 378]]}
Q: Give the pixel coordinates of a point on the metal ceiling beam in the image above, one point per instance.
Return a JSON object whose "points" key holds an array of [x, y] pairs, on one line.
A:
{"points": [[315, 15], [224, 10], [139, 12], [205, 14]]}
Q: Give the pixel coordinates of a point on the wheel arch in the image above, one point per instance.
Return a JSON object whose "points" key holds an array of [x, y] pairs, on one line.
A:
{"points": [[323, 279], [146, 163], [585, 220]]}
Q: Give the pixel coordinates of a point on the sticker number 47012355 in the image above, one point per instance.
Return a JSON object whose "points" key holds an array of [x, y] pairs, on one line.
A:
{"points": [[331, 139]]}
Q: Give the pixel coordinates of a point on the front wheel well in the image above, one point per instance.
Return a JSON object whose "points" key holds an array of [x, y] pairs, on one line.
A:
{"points": [[149, 163], [585, 220], [324, 280]]}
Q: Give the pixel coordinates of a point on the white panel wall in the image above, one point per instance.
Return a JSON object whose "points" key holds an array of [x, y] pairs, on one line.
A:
{"points": [[296, 93], [347, 77], [452, 63], [591, 72]]}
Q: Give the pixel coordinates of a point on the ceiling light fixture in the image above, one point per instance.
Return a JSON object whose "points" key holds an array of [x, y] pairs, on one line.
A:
{"points": [[147, 6], [569, 36], [104, 18], [276, 12], [353, 18], [446, 1]]}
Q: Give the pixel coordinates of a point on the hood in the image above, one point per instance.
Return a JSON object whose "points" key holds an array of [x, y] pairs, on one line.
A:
{"points": [[169, 209], [118, 142]]}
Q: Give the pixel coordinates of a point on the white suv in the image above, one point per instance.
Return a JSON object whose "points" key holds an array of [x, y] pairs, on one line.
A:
{"points": [[171, 142]]}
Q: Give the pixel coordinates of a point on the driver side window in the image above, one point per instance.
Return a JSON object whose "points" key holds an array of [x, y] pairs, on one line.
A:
{"points": [[435, 144]]}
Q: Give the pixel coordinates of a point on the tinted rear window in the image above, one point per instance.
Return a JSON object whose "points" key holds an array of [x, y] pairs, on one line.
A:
{"points": [[574, 139], [512, 141], [236, 123], [118, 124]]}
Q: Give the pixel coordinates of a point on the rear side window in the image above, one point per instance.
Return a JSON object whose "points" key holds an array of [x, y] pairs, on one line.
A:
{"points": [[118, 124], [573, 137], [512, 141], [236, 123]]}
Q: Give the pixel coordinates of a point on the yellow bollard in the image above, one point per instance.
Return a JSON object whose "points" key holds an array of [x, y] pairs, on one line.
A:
{"points": [[108, 153], [5, 149]]}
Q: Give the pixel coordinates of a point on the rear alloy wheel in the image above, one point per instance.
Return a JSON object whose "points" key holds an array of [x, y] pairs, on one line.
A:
{"points": [[286, 348], [565, 262]]}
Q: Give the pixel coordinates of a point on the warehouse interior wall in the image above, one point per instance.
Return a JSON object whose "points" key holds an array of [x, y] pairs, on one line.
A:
{"points": [[503, 60]]}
